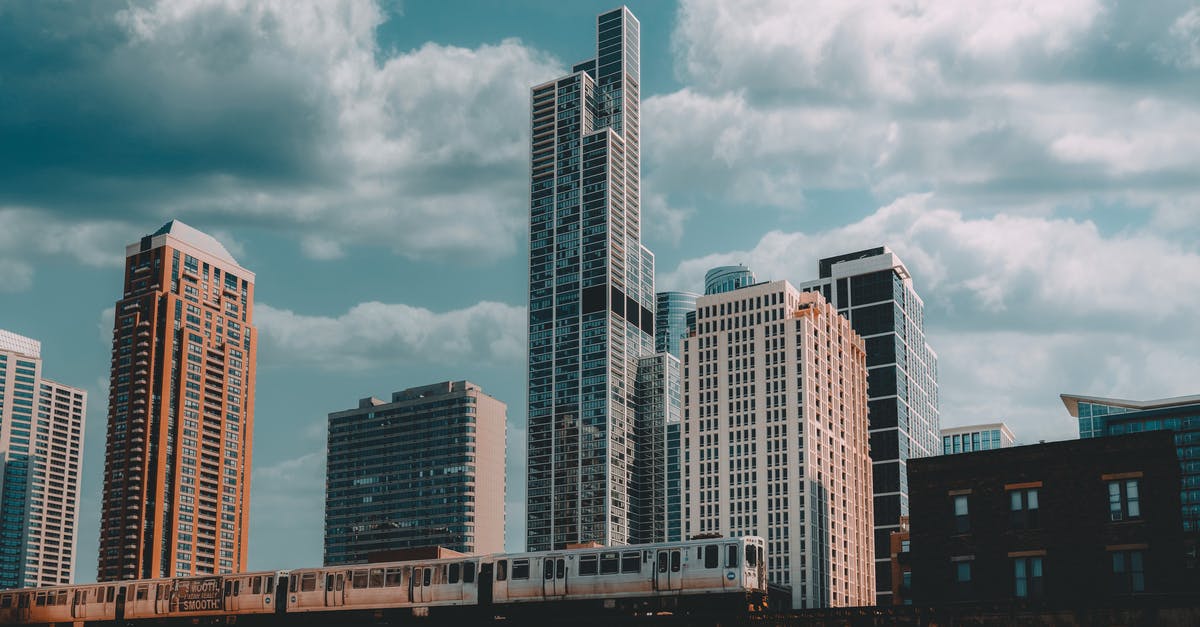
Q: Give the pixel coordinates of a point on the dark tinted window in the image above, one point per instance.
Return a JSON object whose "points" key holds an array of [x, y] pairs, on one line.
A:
{"points": [[710, 556], [609, 564], [750, 556], [455, 572], [426, 580], [588, 564], [501, 570], [520, 569], [731, 556], [631, 562], [469, 572]]}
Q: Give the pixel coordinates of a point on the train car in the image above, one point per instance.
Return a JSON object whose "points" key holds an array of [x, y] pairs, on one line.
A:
{"points": [[59, 604], [725, 573], [416, 586], [243, 594]]}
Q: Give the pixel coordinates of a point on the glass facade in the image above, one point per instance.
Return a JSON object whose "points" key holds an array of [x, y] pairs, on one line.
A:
{"points": [[591, 296], [874, 290], [414, 473], [978, 438], [727, 278], [671, 320], [1104, 417]]}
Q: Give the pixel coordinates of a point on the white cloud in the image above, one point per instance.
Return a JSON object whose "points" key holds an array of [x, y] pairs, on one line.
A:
{"points": [[287, 511], [26, 234], [1182, 46], [15, 276], [1018, 106], [378, 333]]}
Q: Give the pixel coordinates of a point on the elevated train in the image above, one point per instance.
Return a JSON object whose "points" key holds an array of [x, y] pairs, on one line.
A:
{"points": [[726, 575]]}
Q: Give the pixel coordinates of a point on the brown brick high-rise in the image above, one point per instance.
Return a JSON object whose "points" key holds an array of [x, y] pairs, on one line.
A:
{"points": [[180, 412]]}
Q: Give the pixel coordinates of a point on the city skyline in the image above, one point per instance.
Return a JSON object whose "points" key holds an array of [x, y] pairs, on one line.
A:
{"points": [[1036, 242]]}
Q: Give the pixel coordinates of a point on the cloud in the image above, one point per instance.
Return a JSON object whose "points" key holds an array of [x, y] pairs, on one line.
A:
{"points": [[285, 115], [378, 333], [15, 276], [1015, 106], [26, 234], [287, 512]]}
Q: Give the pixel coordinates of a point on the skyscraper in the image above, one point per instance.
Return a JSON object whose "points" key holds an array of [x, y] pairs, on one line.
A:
{"points": [[657, 470], [671, 320], [591, 295], [727, 278], [425, 469], [180, 411], [875, 291], [41, 437], [775, 438]]}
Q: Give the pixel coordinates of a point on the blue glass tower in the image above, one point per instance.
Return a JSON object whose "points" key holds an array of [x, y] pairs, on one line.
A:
{"points": [[727, 278], [591, 296], [670, 320]]}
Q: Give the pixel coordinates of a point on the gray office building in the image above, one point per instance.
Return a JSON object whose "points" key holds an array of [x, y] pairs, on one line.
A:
{"points": [[591, 296], [674, 309], [875, 291], [657, 483], [423, 469]]}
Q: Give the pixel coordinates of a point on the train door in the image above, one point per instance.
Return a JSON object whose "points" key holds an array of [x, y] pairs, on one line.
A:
{"points": [[418, 584], [281, 594], [485, 584], [120, 607], [334, 584], [231, 594], [107, 597], [554, 576], [667, 570], [79, 603], [162, 598], [23, 603]]}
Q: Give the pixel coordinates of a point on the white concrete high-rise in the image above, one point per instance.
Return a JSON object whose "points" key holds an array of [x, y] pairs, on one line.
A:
{"points": [[775, 439], [41, 439]]}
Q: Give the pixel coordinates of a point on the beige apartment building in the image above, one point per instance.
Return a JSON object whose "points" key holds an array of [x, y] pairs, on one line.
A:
{"points": [[180, 412], [41, 440], [775, 438]]}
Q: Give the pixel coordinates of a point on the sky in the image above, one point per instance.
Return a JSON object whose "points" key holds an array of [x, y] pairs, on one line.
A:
{"points": [[1034, 164]]}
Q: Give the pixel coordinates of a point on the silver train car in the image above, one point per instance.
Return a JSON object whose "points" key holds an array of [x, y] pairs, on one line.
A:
{"points": [[717, 575]]}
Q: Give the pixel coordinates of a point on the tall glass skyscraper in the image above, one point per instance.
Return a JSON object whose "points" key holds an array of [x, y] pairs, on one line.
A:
{"points": [[591, 295], [874, 290], [727, 278], [670, 320]]}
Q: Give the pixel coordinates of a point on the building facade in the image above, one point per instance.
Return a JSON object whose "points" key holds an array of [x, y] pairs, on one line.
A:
{"points": [[657, 483], [425, 469], [1062, 524], [1181, 416], [591, 296], [41, 439], [671, 320], [970, 438], [775, 438], [874, 290], [180, 411], [727, 278]]}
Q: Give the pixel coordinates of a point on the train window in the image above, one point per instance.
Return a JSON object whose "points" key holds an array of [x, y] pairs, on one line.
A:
{"points": [[468, 572], [393, 577], [750, 561], [588, 564], [731, 556], [294, 579], [631, 562], [140, 593], [5, 601], [358, 579], [339, 582], [520, 569], [455, 572], [228, 588], [428, 576], [710, 556], [308, 582], [662, 561], [501, 570], [675, 557], [376, 578], [610, 564], [41, 599], [112, 590], [237, 589], [548, 569], [560, 568], [256, 586]]}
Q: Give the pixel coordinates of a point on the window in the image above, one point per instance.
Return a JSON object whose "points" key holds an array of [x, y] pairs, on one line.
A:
{"points": [[751, 556], [256, 586], [376, 578], [1027, 577], [1023, 508], [501, 570], [308, 582], [520, 569], [358, 580], [1128, 571], [710, 556], [1124, 502], [962, 520], [588, 564], [631, 562], [962, 578], [609, 564], [731, 557], [468, 572], [455, 573], [548, 569], [428, 578], [394, 577]]}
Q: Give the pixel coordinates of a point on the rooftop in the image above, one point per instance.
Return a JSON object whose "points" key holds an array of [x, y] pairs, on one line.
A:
{"points": [[1072, 402], [196, 239]]}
